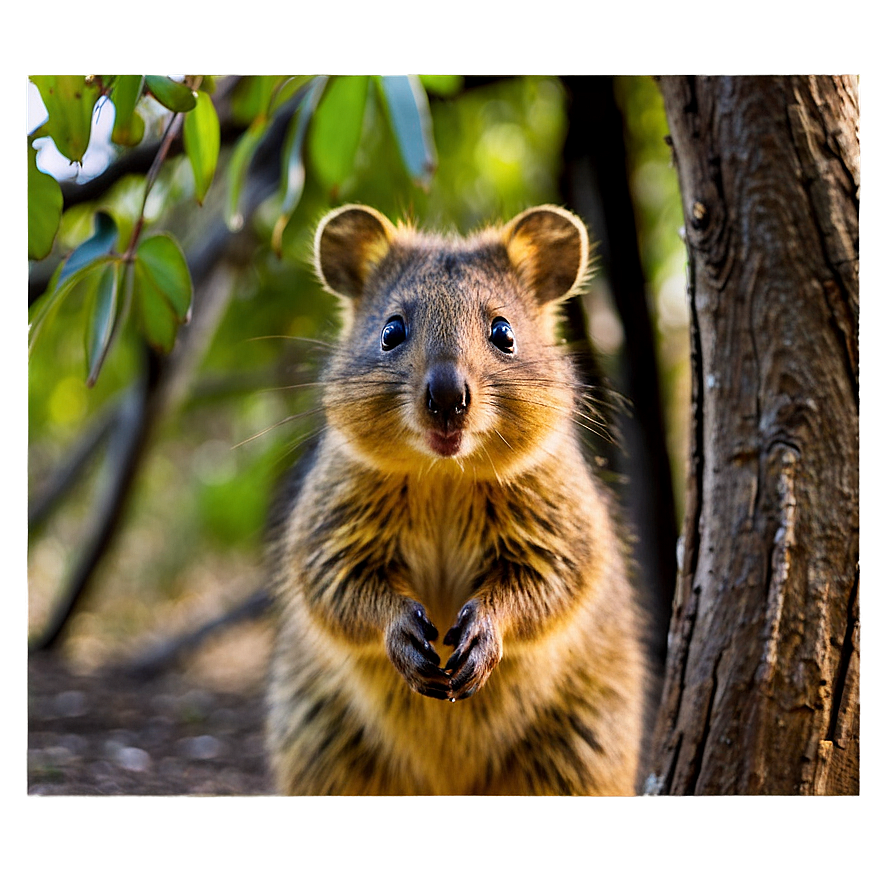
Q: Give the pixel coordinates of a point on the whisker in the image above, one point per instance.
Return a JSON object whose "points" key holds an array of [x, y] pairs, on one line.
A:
{"points": [[596, 427], [296, 444], [498, 478], [319, 342], [498, 434], [289, 387], [273, 426]]}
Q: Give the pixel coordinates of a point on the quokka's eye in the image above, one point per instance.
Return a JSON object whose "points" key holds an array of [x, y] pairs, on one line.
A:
{"points": [[394, 333], [501, 336]]}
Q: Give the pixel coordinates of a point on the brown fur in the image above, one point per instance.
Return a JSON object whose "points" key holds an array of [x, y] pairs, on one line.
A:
{"points": [[475, 515]]}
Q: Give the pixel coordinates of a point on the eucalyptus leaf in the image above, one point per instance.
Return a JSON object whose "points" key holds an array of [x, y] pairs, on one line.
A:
{"points": [[69, 100], [293, 171], [162, 289], [408, 111], [129, 126], [237, 168], [103, 242], [158, 322], [102, 312], [162, 268], [336, 130], [44, 208], [442, 85], [202, 140], [45, 308], [287, 89], [173, 95], [251, 98]]}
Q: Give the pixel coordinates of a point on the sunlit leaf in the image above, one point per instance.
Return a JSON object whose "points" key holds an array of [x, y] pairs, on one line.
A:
{"points": [[129, 125], [103, 242], [69, 100], [162, 267], [237, 168], [173, 95], [336, 130], [409, 115], [293, 176], [202, 140], [251, 97], [102, 311], [442, 85], [44, 208]]}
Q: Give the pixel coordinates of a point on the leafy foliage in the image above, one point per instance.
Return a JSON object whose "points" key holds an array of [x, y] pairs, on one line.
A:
{"points": [[69, 100], [149, 275], [202, 141]]}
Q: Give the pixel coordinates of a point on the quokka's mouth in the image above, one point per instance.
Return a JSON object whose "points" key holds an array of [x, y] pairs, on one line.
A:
{"points": [[445, 445]]}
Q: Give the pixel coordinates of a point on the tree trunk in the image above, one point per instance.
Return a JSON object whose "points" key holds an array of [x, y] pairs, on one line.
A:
{"points": [[596, 184], [762, 681]]}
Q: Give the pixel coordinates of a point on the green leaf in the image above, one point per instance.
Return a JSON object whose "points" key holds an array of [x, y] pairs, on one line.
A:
{"points": [[286, 90], [69, 100], [173, 95], [103, 242], [45, 308], [102, 312], [159, 325], [409, 115], [442, 85], [129, 126], [202, 140], [163, 289], [164, 263], [336, 130], [44, 208], [237, 168], [251, 98], [293, 174]]}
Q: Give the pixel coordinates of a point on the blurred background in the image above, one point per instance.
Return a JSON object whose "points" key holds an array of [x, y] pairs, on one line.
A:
{"points": [[148, 491]]}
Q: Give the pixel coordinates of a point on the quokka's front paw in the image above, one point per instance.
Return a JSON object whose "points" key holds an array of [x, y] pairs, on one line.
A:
{"points": [[479, 648], [407, 644]]}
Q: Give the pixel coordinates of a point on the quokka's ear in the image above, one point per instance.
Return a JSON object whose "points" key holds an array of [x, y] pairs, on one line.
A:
{"points": [[350, 242], [549, 247]]}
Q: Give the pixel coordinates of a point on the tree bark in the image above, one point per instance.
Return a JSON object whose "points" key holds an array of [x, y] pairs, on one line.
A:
{"points": [[761, 693]]}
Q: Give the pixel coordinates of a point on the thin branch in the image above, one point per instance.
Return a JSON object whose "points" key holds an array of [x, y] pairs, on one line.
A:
{"points": [[127, 444], [159, 658], [68, 475]]}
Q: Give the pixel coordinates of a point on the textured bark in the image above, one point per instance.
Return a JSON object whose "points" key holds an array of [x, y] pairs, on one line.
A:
{"points": [[761, 692]]}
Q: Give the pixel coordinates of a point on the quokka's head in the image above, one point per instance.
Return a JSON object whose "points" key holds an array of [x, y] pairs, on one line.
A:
{"points": [[448, 356]]}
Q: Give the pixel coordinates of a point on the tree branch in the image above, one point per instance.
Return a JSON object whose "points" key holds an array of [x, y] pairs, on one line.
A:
{"points": [[156, 660], [126, 447], [68, 474]]}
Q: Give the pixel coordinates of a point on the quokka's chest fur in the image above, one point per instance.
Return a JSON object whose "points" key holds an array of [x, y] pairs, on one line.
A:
{"points": [[438, 537]]}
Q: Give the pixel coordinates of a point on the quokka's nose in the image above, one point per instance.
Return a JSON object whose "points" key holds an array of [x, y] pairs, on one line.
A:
{"points": [[447, 395]]}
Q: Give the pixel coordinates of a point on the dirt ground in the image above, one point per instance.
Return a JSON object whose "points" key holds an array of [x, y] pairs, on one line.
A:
{"points": [[110, 733]]}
